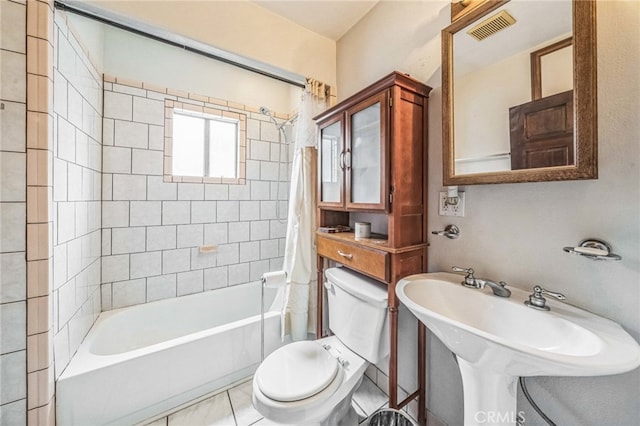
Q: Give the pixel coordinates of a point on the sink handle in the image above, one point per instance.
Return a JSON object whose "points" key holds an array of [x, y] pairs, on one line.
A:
{"points": [[469, 279], [469, 271], [537, 301], [539, 291]]}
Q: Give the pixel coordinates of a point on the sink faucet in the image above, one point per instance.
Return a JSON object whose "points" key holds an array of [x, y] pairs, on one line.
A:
{"points": [[537, 301], [470, 280]]}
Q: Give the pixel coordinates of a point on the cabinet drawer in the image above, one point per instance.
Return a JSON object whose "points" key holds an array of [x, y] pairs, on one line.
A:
{"points": [[371, 262]]}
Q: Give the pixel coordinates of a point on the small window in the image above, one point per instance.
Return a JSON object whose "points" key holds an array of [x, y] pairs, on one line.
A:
{"points": [[204, 145]]}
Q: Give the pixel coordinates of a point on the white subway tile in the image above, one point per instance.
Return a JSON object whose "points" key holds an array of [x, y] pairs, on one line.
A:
{"points": [[146, 162], [190, 235], [249, 251], [216, 278], [259, 230], [269, 132], [249, 210], [148, 111], [115, 268], [59, 265], [106, 298], [253, 170], [176, 260], [131, 135], [267, 210], [13, 338], [106, 242], [159, 190], [118, 105], [216, 192], [12, 225], [14, 277], [156, 138], [161, 237], [275, 264], [202, 260], [82, 149], [176, 212], [74, 106], [228, 254], [161, 287], [66, 302], [238, 231], [116, 159], [239, 192], [66, 140], [238, 273], [82, 218], [107, 186], [120, 88], [268, 249], [128, 240], [128, 293], [115, 214], [146, 264], [260, 190], [129, 187], [95, 215], [190, 282], [278, 229], [146, 213], [269, 171], [13, 175], [258, 268], [74, 182], [14, 121], [66, 221], [203, 211], [216, 233], [228, 211], [74, 257], [108, 131], [253, 129], [259, 150], [12, 370], [190, 191]]}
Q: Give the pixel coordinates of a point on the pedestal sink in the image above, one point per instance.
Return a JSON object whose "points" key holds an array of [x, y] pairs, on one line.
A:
{"points": [[497, 339]]}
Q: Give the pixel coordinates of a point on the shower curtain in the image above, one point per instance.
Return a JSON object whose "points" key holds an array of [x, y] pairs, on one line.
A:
{"points": [[300, 247]]}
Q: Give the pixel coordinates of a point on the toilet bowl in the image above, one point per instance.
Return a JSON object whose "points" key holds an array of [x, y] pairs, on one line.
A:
{"points": [[312, 382], [316, 382]]}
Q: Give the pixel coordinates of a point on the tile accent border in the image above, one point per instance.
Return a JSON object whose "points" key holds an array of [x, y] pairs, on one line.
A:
{"points": [[40, 369]]}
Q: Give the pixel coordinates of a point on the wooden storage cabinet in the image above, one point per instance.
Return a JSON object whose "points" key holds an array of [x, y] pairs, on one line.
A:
{"points": [[373, 158]]}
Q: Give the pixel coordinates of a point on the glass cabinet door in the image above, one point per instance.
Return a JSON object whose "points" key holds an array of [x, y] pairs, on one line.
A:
{"points": [[331, 163], [365, 160]]}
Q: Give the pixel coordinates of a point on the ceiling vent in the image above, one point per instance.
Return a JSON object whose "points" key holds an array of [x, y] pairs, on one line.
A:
{"points": [[491, 25]]}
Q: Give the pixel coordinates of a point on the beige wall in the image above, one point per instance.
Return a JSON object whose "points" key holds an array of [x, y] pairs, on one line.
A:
{"points": [[241, 27], [516, 232]]}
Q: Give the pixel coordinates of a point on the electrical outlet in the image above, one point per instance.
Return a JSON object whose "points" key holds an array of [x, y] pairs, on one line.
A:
{"points": [[451, 209]]}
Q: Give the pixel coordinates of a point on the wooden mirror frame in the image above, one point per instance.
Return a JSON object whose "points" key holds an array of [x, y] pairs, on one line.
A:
{"points": [[584, 95]]}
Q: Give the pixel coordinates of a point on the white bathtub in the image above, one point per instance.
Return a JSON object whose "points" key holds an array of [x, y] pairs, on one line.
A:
{"points": [[140, 361]]}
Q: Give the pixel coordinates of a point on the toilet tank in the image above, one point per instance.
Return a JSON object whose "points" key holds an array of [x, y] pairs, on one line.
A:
{"points": [[358, 312]]}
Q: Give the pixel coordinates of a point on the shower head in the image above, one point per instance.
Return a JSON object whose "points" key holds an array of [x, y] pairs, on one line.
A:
{"points": [[265, 110]]}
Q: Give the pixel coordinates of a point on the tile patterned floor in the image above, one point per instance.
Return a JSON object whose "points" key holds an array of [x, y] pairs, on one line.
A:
{"points": [[233, 408]]}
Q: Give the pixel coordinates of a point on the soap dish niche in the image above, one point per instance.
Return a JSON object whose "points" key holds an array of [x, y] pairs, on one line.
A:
{"points": [[593, 249]]}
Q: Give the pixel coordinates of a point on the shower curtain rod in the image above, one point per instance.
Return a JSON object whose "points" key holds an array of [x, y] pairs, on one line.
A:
{"points": [[188, 44]]}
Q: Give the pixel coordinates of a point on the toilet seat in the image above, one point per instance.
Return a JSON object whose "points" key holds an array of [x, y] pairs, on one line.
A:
{"points": [[296, 371]]}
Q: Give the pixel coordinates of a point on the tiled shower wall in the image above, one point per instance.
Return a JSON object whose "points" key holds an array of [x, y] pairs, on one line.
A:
{"points": [[13, 268], [76, 193], [152, 230]]}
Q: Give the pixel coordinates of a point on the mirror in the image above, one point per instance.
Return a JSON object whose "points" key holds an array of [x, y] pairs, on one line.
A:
{"points": [[520, 104]]}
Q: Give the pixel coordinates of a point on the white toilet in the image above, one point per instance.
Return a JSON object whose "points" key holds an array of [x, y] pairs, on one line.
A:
{"points": [[312, 382]]}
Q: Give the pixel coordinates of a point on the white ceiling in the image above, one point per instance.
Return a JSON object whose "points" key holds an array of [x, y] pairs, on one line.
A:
{"points": [[330, 18]]}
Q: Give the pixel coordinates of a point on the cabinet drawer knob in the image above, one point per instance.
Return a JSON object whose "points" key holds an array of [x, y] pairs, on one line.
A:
{"points": [[345, 255]]}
